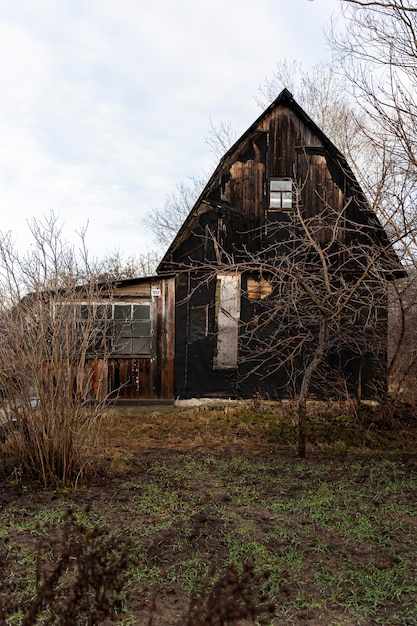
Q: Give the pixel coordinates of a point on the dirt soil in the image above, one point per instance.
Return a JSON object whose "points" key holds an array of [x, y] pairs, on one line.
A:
{"points": [[169, 494]]}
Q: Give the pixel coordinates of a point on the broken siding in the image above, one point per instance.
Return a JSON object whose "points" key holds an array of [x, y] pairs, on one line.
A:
{"points": [[283, 146]]}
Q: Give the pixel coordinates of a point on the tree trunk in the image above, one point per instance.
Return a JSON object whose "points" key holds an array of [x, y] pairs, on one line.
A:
{"points": [[305, 387]]}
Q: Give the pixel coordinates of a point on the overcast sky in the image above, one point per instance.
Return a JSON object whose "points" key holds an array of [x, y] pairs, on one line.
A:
{"points": [[105, 103]]}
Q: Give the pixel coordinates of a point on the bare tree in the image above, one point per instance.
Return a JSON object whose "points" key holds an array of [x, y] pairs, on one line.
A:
{"points": [[387, 5], [326, 308], [53, 342], [165, 223], [377, 52], [375, 48], [314, 305], [117, 267], [220, 137]]}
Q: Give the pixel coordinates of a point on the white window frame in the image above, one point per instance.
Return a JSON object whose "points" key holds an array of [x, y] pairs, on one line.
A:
{"points": [[280, 194]]}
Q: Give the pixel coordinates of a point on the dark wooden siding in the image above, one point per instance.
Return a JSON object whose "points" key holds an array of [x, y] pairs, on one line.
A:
{"points": [[232, 218], [233, 213], [129, 379], [194, 352], [165, 346]]}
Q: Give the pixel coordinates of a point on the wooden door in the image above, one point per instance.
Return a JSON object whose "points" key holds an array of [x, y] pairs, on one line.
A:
{"points": [[130, 379]]}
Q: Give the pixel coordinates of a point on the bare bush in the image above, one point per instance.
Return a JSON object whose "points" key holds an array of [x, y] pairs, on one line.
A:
{"points": [[81, 571], [49, 371], [236, 595], [115, 266]]}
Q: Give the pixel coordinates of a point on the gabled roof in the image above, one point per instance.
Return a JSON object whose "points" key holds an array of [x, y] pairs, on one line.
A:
{"points": [[284, 99]]}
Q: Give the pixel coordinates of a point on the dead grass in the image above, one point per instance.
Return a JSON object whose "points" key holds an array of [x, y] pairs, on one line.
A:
{"points": [[331, 428]]}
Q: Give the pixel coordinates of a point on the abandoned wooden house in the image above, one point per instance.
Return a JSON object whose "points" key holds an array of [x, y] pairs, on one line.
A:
{"points": [[279, 197]]}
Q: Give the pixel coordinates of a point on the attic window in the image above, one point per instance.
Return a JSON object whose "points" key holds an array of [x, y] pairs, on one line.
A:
{"points": [[280, 194]]}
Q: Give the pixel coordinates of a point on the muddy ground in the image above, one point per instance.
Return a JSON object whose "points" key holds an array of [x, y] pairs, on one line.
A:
{"points": [[331, 538]]}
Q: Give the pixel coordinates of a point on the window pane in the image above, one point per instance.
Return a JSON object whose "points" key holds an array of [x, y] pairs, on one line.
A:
{"points": [[141, 345], [97, 342], [84, 310], [122, 346], [141, 329], [141, 311], [122, 311], [120, 328], [281, 185], [275, 201], [102, 311], [287, 200]]}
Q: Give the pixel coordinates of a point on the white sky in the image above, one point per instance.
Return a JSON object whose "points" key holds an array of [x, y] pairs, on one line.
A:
{"points": [[105, 103]]}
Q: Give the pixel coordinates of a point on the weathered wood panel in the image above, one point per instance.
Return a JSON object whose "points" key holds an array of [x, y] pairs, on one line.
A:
{"points": [[227, 314], [142, 290], [145, 389], [129, 379], [168, 341]]}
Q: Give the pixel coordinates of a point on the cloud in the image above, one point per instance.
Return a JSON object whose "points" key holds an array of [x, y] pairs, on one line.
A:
{"points": [[105, 104]]}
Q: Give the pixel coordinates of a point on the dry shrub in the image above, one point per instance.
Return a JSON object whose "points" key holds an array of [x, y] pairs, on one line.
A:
{"points": [[235, 596], [51, 353], [80, 576]]}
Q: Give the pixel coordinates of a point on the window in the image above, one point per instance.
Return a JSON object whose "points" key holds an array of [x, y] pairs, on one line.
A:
{"points": [[130, 332], [119, 329], [258, 289], [280, 194], [227, 318], [198, 326]]}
